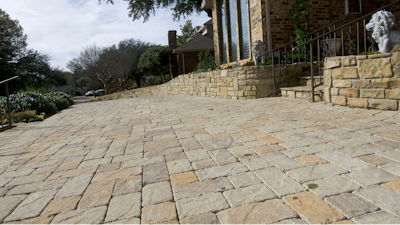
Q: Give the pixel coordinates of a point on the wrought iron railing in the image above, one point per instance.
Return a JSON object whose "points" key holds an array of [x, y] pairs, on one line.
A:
{"points": [[308, 45], [3, 111]]}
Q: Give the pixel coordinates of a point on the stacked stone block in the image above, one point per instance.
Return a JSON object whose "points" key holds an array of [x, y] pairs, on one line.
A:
{"points": [[245, 82], [371, 81]]}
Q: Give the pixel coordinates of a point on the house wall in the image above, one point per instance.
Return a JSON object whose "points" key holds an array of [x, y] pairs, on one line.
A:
{"points": [[322, 13]]}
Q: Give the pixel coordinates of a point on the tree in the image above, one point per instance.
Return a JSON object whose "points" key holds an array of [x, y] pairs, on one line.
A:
{"points": [[137, 48], [155, 61], [12, 44], [187, 32], [35, 71], [143, 8], [106, 65]]}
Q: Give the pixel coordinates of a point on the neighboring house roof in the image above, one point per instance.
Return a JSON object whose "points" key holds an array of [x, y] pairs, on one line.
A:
{"points": [[196, 43]]}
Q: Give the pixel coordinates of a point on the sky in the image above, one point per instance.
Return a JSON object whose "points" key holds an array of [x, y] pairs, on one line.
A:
{"points": [[62, 28]]}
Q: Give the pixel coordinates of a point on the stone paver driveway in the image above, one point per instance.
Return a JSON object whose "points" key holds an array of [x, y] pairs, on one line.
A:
{"points": [[170, 159]]}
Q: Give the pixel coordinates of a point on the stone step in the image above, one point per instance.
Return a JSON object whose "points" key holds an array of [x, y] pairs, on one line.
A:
{"points": [[303, 92], [306, 80]]}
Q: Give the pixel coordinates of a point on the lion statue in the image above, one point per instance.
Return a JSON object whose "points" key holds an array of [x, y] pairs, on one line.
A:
{"points": [[258, 49], [382, 25]]}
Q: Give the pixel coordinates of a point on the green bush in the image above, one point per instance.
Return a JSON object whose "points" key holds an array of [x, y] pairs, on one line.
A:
{"points": [[206, 61], [48, 103]]}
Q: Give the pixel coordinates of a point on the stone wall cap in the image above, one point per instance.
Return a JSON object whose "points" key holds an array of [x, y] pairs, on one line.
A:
{"points": [[334, 58], [382, 55], [360, 57]]}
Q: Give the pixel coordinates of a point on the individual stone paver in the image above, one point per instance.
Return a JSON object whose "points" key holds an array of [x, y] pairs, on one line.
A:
{"points": [[249, 194], [316, 172], [122, 148], [154, 173], [97, 194], [183, 178], [201, 187], [61, 205], [209, 202], [202, 164], [343, 160], [196, 155], [74, 186], [351, 205], [310, 160], [205, 218], [128, 185], [370, 176], [32, 205], [244, 179], [123, 207], [8, 204], [312, 209], [116, 174], [82, 216], [257, 213], [220, 171], [222, 157], [255, 162], [278, 181], [393, 185], [374, 159], [156, 193], [160, 213], [393, 168], [281, 161], [380, 217], [331, 186], [382, 197], [292, 221], [179, 166]]}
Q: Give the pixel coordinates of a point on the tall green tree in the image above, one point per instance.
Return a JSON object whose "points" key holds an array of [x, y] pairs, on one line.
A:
{"points": [[187, 31], [155, 61], [144, 8], [12, 45], [137, 48]]}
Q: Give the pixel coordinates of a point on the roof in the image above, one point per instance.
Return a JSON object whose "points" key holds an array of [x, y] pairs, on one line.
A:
{"points": [[197, 43]]}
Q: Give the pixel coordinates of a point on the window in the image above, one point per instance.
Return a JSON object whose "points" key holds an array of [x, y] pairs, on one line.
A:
{"points": [[234, 28], [222, 32], [232, 31], [244, 30], [352, 7]]}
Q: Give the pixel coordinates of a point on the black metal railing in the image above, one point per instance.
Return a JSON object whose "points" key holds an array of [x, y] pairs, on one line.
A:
{"points": [[308, 45], [8, 105]]}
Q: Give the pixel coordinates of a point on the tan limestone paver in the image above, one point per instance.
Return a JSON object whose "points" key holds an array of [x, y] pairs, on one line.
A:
{"points": [[393, 185], [182, 159], [183, 178], [310, 160], [312, 209]]}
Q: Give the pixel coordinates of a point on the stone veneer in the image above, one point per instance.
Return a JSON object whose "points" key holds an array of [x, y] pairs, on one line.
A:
{"points": [[246, 82], [371, 81]]}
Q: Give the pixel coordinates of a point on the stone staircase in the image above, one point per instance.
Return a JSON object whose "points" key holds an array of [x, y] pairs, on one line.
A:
{"points": [[304, 90]]}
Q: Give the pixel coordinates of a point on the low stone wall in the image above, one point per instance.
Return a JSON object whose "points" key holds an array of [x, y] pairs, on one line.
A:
{"points": [[371, 81], [246, 82]]}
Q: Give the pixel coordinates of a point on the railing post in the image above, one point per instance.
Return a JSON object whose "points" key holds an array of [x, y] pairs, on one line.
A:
{"points": [[8, 105], [273, 72], [312, 73]]}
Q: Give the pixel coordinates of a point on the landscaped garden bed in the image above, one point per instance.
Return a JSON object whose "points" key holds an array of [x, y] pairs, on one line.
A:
{"points": [[33, 106]]}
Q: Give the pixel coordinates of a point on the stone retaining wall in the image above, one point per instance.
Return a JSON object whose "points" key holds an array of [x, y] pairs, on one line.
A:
{"points": [[246, 82], [371, 81]]}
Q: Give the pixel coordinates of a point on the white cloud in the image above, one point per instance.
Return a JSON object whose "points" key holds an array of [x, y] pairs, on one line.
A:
{"points": [[62, 28]]}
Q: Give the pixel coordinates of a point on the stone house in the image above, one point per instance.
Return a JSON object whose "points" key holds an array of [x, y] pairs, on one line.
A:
{"points": [[238, 23]]}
